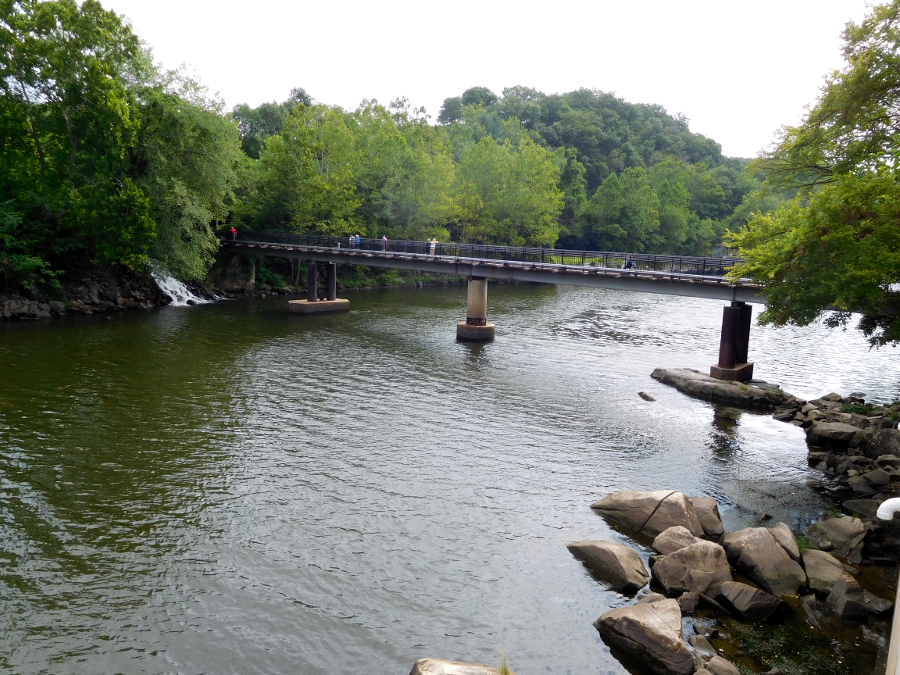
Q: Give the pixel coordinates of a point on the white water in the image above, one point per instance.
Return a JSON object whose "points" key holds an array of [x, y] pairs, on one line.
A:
{"points": [[181, 295]]}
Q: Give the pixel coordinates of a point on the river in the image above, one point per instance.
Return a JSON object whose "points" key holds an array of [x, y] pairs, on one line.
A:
{"points": [[229, 489]]}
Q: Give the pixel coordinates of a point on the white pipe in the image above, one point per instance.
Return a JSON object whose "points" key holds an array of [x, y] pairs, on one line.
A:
{"points": [[886, 512]]}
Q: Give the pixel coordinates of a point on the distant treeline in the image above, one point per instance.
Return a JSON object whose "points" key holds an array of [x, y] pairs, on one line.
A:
{"points": [[105, 158]]}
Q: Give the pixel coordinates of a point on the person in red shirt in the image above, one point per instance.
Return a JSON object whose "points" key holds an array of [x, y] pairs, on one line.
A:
{"points": [[233, 233]]}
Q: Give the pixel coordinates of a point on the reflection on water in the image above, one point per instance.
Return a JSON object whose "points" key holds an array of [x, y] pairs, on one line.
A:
{"points": [[227, 488]]}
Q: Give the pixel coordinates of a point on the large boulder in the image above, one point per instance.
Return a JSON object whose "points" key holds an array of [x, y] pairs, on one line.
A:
{"points": [[650, 512], [823, 570], [848, 599], [786, 540], [617, 565], [835, 435], [673, 539], [701, 567], [750, 604], [884, 442], [707, 510], [843, 537], [651, 633], [440, 667], [756, 553]]}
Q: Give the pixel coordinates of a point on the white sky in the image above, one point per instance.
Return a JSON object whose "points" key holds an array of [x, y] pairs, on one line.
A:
{"points": [[737, 70]]}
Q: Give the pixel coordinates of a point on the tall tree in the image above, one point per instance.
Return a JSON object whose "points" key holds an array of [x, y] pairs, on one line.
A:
{"points": [[837, 245]]}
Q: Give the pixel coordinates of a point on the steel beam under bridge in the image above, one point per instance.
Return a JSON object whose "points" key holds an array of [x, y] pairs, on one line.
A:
{"points": [[643, 281]]}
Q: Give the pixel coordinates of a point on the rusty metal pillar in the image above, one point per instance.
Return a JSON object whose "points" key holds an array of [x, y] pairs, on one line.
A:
{"points": [[312, 282], [332, 281], [734, 344]]}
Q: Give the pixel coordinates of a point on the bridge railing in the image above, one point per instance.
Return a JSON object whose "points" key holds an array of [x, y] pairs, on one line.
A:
{"points": [[692, 265]]}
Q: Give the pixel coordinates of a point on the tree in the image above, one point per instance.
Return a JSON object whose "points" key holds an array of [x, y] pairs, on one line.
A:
{"points": [[837, 244], [257, 124], [306, 177], [67, 116], [508, 195], [623, 214]]}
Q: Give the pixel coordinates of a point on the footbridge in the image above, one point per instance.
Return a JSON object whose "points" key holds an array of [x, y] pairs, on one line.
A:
{"points": [[646, 273]]}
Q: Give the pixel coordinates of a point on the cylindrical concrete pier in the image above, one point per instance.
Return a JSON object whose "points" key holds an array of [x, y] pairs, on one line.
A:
{"points": [[476, 327], [332, 281], [312, 281]]}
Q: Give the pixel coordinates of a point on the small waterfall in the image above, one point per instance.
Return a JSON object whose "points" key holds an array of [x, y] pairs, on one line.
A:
{"points": [[181, 295]]}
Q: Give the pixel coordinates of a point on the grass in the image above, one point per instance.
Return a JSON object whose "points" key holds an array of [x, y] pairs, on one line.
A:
{"points": [[803, 543], [504, 669], [857, 408]]}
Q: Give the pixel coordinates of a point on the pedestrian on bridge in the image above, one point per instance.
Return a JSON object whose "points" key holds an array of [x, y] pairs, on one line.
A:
{"points": [[433, 243], [357, 241], [350, 240], [384, 242], [629, 264], [233, 233]]}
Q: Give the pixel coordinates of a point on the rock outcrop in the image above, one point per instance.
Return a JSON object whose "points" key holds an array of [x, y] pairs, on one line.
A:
{"points": [[702, 567], [755, 552], [650, 512], [617, 565], [753, 394], [651, 633]]}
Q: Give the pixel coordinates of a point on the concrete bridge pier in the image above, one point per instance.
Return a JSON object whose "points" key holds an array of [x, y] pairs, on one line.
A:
{"points": [[312, 304], [734, 344], [476, 326]]}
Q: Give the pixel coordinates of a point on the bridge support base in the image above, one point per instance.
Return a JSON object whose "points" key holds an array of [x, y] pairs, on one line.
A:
{"points": [[312, 304], [734, 344], [318, 306], [476, 327]]}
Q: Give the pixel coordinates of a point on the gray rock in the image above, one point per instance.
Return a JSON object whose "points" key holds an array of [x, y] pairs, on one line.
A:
{"points": [[673, 539], [888, 461], [884, 442], [440, 667], [786, 540], [650, 512], [750, 604], [707, 510], [719, 666], [859, 484], [847, 599], [651, 633], [831, 435], [864, 508], [650, 597], [702, 567], [756, 553], [646, 396], [688, 602], [619, 566], [823, 570], [702, 646], [807, 408], [877, 606], [835, 397], [57, 307], [878, 478], [754, 394], [841, 536]]}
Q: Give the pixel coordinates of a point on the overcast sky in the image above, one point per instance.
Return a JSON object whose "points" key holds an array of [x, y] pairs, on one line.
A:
{"points": [[737, 70]]}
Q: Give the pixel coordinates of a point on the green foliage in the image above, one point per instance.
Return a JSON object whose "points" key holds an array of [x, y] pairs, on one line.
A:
{"points": [[803, 544], [837, 244], [257, 124], [508, 194], [857, 408]]}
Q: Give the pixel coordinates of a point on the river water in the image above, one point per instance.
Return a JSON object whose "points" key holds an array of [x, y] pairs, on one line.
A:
{"points": [[230, 489]]}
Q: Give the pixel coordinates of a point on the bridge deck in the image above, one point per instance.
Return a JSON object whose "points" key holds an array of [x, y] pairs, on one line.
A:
{"points": [[517, 263]]}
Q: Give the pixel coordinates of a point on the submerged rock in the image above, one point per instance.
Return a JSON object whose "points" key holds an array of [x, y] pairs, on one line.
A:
{"points": [[651, 633], [619, 566], [756, 553], [650, 512], [440, 667], [702, 567], [719, 666]]}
